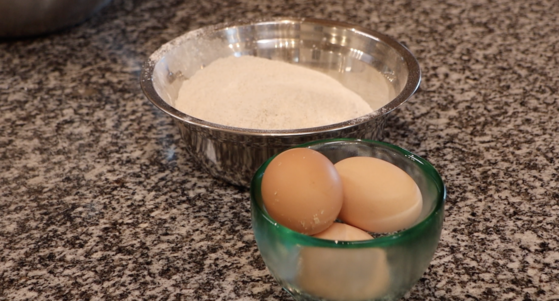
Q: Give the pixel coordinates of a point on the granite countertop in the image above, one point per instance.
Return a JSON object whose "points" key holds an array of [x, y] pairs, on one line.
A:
{"points": [[99, 201]]}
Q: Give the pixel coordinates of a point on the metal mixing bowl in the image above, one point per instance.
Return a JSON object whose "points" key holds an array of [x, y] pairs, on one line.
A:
{"points": [[32, 17], [349, 53]]}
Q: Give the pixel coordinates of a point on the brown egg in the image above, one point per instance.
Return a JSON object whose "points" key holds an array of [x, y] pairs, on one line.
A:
{"points": [[378, 196], [302, 191], [343, 274], [343, 232]]}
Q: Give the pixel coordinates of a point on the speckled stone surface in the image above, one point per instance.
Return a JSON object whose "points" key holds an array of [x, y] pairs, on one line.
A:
{"points": [[98, 201]]}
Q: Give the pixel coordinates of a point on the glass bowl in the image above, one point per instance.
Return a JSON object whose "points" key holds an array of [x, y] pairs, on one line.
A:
{"points": [[384, 268]]}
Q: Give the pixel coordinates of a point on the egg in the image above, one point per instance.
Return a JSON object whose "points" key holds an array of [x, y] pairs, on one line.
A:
{"points": [[343, 232], [340, 273], [378, 196], [302, 190]]}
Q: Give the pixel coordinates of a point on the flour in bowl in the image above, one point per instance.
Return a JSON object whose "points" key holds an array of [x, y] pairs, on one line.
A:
{"points": [[257, 93]]}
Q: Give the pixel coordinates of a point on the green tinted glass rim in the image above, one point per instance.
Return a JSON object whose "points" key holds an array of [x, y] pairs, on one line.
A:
{"points": [[383, 241]]}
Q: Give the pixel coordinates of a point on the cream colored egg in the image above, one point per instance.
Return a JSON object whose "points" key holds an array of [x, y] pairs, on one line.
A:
{"points": [[343, 232], [302, 190], [343, 274], [378, 196]]}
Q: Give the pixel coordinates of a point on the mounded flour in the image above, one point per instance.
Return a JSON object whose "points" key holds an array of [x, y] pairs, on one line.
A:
{"points": [[258, 93]]}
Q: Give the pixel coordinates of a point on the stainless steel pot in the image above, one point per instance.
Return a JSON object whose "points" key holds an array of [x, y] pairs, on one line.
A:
{"points": [[33, 17]]}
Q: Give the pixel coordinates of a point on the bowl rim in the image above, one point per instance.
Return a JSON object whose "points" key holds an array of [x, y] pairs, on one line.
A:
{"points": [[382, 241], [412, 83]]}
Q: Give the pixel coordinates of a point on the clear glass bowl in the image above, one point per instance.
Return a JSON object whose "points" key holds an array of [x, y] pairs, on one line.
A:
{"points": [[384, 268]]}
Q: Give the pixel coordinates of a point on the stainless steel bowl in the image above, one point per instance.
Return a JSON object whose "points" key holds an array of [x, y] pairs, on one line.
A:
{"points": [[347, 52], [32, 17]]}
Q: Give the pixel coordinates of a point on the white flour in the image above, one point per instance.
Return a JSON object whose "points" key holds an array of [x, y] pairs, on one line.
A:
{"points": [[257, 93]]}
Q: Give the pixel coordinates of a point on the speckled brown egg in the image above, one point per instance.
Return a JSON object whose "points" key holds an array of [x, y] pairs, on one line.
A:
{"points": [[302, 190]]}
